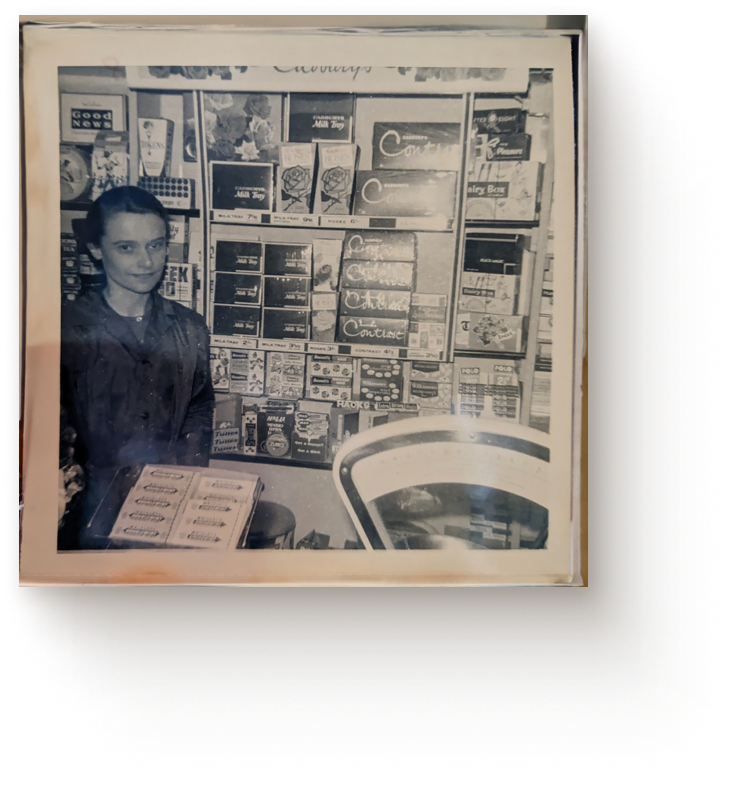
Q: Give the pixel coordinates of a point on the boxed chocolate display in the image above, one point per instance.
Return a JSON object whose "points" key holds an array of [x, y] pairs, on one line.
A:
{"points": [[409, 192], [387, 275], [235, 288], [329, 377], [481, 332], [297, 163], [503, 147], [380, 245], [506, 191], [240, 186], [238, 256], [321, 117], [323, 316], [499, 120], [327, 257], [234, 320], [417, 145], [285, 374], [287, 259], [284, 292], [375, 303], [368, 330], [381, 380], [426, 336], [489, 293], [336, 176], [428, 308], [285, 323]]}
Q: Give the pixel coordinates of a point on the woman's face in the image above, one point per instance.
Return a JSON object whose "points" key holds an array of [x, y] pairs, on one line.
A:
{"points": [[133, 251]]}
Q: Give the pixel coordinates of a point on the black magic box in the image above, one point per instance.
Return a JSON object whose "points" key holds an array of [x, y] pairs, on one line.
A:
{"points": [[236, 186]]}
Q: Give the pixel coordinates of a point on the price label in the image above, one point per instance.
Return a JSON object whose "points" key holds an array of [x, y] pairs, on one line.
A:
{"points": [[341, 221], [374, 352], [235, 342], [282, 346], [323, 349], [244, 216], [295, 220], [423, 355]]}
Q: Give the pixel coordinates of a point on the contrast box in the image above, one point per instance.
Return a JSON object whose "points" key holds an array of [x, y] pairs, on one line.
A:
{"points": [[234, 320], [297, 164], [380, 245], [417, 145], [238, 256], [410, 192], [280, 323], [387, 275], [237, 186], [375, 303], [287, 259], [368, 330], [234, 288]]}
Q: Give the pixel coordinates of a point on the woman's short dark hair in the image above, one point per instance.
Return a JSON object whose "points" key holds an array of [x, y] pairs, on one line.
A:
{"points": [[128, 199]]}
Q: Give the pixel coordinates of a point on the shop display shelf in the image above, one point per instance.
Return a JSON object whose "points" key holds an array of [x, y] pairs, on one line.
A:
{"points": [[417, 223]]}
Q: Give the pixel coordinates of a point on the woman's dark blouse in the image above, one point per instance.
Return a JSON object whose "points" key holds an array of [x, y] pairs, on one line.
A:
{"points": [[136, 402]]}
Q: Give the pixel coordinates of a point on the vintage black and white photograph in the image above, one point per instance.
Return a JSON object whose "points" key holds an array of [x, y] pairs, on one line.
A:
{"points": [[262, 268]]}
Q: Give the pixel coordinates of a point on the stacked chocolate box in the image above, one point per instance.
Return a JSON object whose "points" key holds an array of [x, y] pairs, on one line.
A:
{"points": [[378, 278]]}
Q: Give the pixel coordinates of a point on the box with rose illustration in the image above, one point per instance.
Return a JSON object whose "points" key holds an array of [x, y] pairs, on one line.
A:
{"points": [[297, 164]]}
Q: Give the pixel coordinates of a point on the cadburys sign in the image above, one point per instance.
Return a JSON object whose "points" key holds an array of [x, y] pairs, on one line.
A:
{"points": [[410, 80]]}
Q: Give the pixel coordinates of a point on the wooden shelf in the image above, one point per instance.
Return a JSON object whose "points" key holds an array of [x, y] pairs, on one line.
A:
{"points": [[194, 213], [440, 224], [237, 456]]}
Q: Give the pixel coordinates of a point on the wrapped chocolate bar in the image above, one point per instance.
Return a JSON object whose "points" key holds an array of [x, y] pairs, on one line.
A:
{"points": [[296, 171], [334, 183], [329, 377], [416, 145], [380, 245], [409, 192]]}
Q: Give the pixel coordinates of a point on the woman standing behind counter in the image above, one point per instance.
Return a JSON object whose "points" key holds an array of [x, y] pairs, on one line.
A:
{"points": [[135, 375]]}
